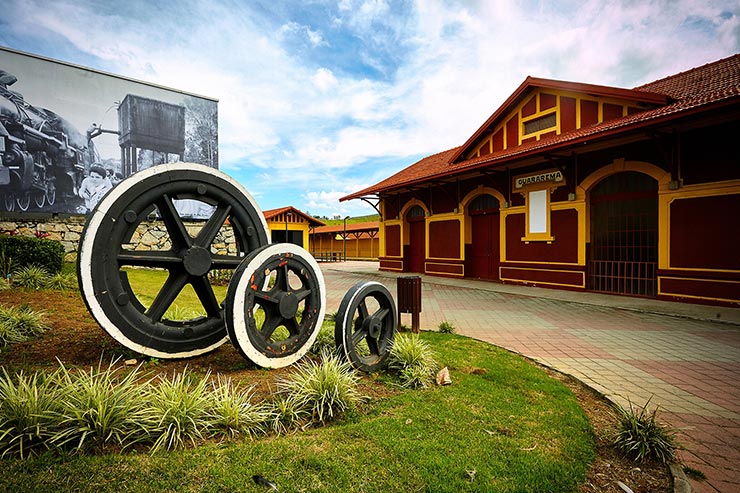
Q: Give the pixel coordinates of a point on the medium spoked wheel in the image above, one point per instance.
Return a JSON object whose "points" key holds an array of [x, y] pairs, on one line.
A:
{"points": [[23, 201], [275, 305], [365, 326], [141, 223]]}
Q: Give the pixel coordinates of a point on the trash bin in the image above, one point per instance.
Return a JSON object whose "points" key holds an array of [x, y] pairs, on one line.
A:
{"points": [[409, 299]]}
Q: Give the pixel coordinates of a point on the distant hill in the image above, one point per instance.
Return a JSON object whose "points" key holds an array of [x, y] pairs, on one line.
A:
{"points": [[352, 220]]}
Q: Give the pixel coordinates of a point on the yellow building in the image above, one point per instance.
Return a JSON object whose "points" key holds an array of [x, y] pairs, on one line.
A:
{"points": [[288, 224]]}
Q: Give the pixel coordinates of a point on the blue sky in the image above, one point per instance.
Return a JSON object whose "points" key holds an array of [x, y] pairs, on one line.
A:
{"points": [[319, 98]]}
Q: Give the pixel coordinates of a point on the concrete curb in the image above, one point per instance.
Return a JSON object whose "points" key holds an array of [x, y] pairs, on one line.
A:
{"points": [[680, 482]]}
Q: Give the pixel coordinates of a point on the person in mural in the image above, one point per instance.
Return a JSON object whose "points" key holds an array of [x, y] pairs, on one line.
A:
{"points": [[94, 186]]}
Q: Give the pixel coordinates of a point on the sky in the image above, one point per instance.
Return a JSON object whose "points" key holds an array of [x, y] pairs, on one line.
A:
{"points": [[322, 98]]}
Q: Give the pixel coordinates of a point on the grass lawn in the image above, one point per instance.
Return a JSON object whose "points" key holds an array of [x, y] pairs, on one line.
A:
{"points": [[503, 425]]}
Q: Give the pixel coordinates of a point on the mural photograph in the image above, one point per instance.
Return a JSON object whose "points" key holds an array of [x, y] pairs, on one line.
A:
{"points": [[69, 134]]}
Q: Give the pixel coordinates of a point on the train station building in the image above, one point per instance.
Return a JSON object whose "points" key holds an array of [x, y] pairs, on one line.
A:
{"points": [[585, 187]]}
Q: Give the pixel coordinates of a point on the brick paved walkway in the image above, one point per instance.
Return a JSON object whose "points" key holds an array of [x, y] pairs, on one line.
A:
{"points": [[676, 354]]}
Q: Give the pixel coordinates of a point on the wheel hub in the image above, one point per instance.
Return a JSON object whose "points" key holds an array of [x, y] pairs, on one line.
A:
{"points": [[373, 326], [288, 305], [197, 261]]}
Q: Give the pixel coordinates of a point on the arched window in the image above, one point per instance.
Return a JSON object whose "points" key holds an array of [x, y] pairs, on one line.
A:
{"points": [[483, 203], [416, 212]]}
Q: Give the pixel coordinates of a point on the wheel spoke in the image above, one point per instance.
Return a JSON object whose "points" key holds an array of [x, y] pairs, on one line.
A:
{"points": [[225, 261], [362, 308], [381, 314], [358, 336], [303, 294], [172, 221], [167, 295], [292, 325], [281, 281], [213, 226], [207, 297], [372, 344], [271, 323], [147, 258]]}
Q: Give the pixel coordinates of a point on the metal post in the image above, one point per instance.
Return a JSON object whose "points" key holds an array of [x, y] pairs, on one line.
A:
{"points": [[344, 240]]}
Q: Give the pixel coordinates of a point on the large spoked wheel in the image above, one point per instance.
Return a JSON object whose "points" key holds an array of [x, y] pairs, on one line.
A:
{"points": [[365, 326], [275, 305], [143, 210]]}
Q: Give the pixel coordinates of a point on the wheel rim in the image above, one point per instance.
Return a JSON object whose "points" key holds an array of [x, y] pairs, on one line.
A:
{"points": [[105, 250], [24, 201], [51, 195], [365, 326], [10, 202], [40, 199], [275, 325]]}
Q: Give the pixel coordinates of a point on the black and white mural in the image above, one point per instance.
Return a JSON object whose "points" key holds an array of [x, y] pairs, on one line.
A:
{"points": [[69, 134]]}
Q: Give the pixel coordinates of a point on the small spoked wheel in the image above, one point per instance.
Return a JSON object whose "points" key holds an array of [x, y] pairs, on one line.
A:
{"points": [[167, 223], [23, 201], [365, 326], [275, 305]]}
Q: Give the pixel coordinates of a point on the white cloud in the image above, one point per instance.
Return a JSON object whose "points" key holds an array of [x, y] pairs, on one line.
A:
{"points": [[446, 66]]}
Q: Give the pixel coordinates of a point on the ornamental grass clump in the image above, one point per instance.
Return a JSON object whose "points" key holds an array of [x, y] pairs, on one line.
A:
{"points": [[29, 406], [233, 413], [324, 389], [286, 414], [413, 360], [324, 340], [178, 410], [20, 323], [62, 281], [100, 408], [641, 437], [30, 277]]}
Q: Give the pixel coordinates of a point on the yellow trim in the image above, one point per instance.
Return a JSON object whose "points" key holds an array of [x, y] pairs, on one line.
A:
{"points": [[692, 296], [618, 166], [582, 285], [467, 236]]}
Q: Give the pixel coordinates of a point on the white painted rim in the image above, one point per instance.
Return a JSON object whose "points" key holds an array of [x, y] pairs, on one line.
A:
{"points": [[88, 240], [239, 322]]}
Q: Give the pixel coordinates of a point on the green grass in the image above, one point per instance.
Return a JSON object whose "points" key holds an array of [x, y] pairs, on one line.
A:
{"points": [[502, 417], [146, 283]]}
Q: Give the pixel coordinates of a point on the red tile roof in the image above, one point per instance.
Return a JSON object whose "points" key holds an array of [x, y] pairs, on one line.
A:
{"points": [[273, 213], [693, 91]]}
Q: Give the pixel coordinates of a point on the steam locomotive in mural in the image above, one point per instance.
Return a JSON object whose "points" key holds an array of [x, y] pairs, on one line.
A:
{"points": [[42, 156]]}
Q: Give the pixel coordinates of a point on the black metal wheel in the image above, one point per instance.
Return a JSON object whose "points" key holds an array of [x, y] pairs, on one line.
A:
{"points": [[275, 305], [23, 201], [39, 198], [144, 209], [51, 194], [365, 326]]}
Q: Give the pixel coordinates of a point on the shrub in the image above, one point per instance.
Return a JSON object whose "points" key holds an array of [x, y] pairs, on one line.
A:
{"points": [[30, 277], [641, 437], [286, 413], [178, 410], [446, 327], [27, 250], [20, 323], [61, 281], [234, 414], [99, 408], [28, 410], [414, 361], [324, 389]]}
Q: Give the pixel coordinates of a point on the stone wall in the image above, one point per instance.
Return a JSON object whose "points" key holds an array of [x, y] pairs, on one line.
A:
{"points": [[150, 235]]}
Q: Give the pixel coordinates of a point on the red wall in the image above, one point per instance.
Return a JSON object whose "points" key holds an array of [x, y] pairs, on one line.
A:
{"points": [[393, 241], [705, 232], [564, 227], [444, 239]]}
